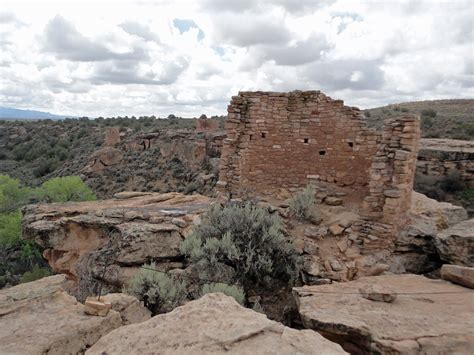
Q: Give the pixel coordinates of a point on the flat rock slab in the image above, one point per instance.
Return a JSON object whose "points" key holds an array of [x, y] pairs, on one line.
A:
{"points": [[461, 275], [41, 318], [455, 245], [439, 318], [214, 324]]}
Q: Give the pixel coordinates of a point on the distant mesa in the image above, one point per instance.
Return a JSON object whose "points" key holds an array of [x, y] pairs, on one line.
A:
{"points": [[17, 114]]}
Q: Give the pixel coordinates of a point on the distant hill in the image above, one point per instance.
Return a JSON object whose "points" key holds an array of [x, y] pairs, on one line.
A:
{"points": [[17, 114], [439, 118]]}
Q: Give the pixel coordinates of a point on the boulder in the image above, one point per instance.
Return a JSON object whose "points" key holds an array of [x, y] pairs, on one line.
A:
{"points": [[333, 201], [130, 309], [120, 235], [460, 275], [336, 229], [41, 318], [455, 245], [103, 158], [214, 324], [443, 213], [428, 316]]}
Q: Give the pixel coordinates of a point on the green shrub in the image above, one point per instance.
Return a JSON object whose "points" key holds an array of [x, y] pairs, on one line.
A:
{"points": [[29, 251], [452, 183], [247, 238], [427, 121], [233, 291], [45, 167], [68, 188], [12, 195], [190, 187], [468, 128], [428, 113], [35, 274], [159, 292], [10, 229], [467, 195], [302, 206]]}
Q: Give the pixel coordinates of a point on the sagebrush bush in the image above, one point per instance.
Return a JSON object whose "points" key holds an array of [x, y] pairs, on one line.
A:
{"points": [[452, 183], [159, 292], [302, 205], [247, 238], [233, 291]]}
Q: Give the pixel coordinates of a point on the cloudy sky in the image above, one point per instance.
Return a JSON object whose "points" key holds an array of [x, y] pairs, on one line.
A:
{"points": [[108, 58]]}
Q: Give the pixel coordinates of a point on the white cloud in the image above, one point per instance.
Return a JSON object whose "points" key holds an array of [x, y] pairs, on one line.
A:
{"points": [[187, 58]]}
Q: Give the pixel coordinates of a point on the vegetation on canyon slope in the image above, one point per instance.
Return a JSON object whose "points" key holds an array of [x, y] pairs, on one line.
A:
{"points": [[439, 118]]}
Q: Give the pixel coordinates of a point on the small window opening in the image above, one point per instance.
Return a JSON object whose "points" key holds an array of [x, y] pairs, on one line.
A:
{"points": [[351, 144], [264, 134], [306, 140], [322, 152], [251, 136]]}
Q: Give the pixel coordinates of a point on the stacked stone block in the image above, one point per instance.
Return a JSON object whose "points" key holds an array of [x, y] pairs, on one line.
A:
{"points": [[392, 172]]}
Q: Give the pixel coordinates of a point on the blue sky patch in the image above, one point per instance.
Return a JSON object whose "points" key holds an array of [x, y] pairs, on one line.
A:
{"points": [[184, 25]]}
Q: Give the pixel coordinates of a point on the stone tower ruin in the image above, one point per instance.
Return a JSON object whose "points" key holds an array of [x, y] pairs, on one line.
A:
{"points": [[284, 140]]}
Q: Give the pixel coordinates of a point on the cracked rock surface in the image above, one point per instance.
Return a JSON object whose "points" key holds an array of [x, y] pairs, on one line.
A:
{"points": [[214, 324], [439, 319], [120, 234], [41, 318]]}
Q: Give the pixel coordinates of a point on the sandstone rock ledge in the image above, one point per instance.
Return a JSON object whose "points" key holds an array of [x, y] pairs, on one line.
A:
{"points": [[81, 238], [41, 318], [214, 324], [436, 323]]}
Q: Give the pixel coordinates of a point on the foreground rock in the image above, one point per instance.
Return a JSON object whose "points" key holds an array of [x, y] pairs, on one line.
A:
{"points": [[460, 275], [455, 245], [428, 316], [121, 234], [444, 214], [214, 324], [415, 250], [41, 318]]}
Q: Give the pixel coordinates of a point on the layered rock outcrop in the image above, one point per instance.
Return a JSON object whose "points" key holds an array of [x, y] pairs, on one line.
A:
{"points": [[427, 316], [214, 324], [106, 241], [41, 318], [439, 158]]}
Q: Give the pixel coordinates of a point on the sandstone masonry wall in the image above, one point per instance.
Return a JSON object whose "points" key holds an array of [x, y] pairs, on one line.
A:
{"points": [[206, 125], [278, 140], [286, 140], [112, 136]]}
